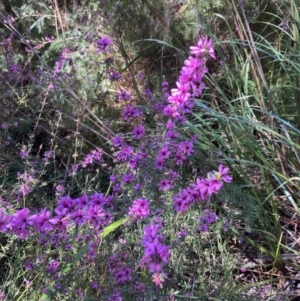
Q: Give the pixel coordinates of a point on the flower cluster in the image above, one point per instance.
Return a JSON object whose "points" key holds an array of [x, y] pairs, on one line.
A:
{"points": [[202, 189], [94, 155], [156, 254], [140, 208], [207, 219], [118, 268], [93, 210], [190, 82]]}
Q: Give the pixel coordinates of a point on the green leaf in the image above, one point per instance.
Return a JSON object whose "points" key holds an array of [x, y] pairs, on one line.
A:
{"points": [[112, 227], [44, 297]]}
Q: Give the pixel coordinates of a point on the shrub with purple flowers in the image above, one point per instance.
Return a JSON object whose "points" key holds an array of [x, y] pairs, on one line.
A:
{"points": [[104, 192]]}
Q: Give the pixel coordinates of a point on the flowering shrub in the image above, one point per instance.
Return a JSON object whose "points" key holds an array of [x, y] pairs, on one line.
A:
{"points": [[144, 186], [108, 205]]}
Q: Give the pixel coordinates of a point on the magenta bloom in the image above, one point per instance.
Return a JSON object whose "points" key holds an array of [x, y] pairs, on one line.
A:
{"points": [[202, 185], [223, 174], [171, 111], [140, 208], [203, 47]]}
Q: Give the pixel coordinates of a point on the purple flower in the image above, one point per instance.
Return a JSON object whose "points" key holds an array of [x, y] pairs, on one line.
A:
{"points": [[79, 216], [201, 186], [41, 222], [103, 43], [182, 200], [59, 189], [127, 178], [24, 153], [96, 215], [19, 223], [182, 234], [79, 293], [164, 185], [140, 208], [130, 112], [138, 132], [94, 285], [203, 227], [2, 295], [148, 94], [74, 169], [164, 152], [203, 48], [136, 159], [156, 254], [214, 185], [171, 111], [66, 202], [171, 134], [117, 141], [60, 221], [124, 95], [140, 76], [210, 217], [207, 219], [29, 265], [99, 199], [48, 155], [53, 265], [179, 158], [125, 153], [186, 147], [115, 76], [82, 201], [137, 186], [159, 163], [4, 220], [223, 174], [23, 190]]}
